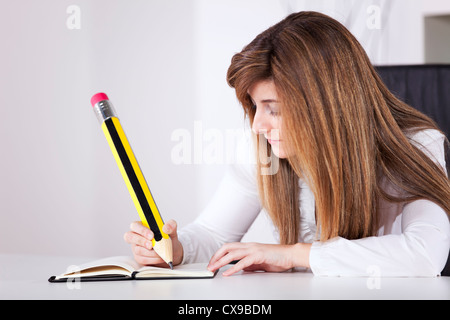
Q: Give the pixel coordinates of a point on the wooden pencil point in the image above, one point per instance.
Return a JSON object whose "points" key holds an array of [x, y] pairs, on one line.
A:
{"points": [[163, 248]]}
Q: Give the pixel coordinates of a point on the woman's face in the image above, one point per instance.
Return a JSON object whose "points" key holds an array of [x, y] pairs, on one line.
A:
{"points": [[267, 119]]}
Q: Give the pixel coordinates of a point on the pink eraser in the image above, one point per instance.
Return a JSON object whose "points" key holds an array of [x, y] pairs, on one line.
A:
{"points": [[98, 97]]}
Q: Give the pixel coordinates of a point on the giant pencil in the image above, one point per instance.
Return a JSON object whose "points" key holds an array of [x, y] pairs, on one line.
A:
{"points": [[132, 174]]}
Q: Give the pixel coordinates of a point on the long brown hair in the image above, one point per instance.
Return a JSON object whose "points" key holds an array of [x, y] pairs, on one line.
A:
{"points": [[345, 130]]}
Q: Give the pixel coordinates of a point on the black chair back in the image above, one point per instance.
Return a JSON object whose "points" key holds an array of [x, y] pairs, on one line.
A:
{"points": [[426, 88]]}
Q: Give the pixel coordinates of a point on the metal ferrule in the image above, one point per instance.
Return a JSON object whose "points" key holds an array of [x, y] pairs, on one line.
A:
{"points": [[104, 110]]}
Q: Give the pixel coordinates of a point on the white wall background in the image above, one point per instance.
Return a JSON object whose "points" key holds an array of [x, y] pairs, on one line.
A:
{"points": [[163, 65]]}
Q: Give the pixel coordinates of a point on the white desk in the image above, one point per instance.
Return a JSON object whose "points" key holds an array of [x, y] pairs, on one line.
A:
{"points": [[25, 277]]}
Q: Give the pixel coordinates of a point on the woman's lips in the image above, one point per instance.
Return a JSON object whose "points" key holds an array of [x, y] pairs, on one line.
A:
{"points": [[273, 141]]}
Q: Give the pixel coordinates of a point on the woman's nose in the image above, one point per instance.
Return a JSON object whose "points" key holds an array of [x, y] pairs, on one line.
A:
{"points": [[261, 123]]}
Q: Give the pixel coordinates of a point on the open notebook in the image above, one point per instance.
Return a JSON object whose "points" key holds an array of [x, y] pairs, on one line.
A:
{"points": [[126, 268]]}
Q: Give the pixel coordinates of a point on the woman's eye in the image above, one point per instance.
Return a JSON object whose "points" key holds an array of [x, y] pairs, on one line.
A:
{"points": [[274, 114], [272, 111]]}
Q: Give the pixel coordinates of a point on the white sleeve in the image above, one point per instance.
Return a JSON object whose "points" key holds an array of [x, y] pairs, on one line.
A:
{"points": [[421, 249], [431, 142], [227, 217]]}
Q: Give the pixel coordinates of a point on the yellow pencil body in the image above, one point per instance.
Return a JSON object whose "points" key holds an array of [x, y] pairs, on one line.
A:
{"points": [[140, 177]]}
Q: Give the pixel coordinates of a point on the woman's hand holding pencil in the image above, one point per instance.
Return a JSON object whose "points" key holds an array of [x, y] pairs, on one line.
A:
{"points": [[140, 239]]}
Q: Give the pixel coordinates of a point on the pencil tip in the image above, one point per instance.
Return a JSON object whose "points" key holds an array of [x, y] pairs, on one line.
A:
{"points": [[171, 265]]}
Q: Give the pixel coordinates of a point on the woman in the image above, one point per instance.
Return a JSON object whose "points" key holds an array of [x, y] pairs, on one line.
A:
{"points": [[360, 181]]}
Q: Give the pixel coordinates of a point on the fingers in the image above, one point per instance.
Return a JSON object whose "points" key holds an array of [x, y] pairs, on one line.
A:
{"points": [[136, 239], [244, 264], [140, 239], [227, 253], [171, 229], [139, 228], [250, 256], [139, 235]]}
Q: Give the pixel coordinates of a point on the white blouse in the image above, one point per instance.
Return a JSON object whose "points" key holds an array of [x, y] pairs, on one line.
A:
{"points": [[414, 239]]}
